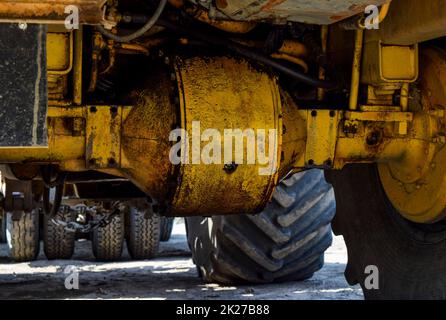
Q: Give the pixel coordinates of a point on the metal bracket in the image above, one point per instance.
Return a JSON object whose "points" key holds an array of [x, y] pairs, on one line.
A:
{"points": [[103, 149], [19, 196], [322, 130]]}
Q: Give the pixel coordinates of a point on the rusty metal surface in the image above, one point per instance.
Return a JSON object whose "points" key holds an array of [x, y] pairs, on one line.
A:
{"points": [[226, 93], [103, 134], [414, 21], [50, 11], [145, 136], [314, 11]]}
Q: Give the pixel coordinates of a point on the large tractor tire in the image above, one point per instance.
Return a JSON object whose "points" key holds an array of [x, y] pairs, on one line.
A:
{"points": [[285, 242], [107, 242], [143, 233], [22, 234], [166, 228], [409, 257], [57, 242]]}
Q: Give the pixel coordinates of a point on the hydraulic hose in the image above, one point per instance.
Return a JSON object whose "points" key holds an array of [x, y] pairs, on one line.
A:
{"points": [[247, 53], [149, 24]]}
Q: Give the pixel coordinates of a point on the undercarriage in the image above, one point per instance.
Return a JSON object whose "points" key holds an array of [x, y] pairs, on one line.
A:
{"points": [[150, 109]]}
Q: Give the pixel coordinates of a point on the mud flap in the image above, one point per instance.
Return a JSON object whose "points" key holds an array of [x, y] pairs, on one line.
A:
{"points": [[23, 85]]}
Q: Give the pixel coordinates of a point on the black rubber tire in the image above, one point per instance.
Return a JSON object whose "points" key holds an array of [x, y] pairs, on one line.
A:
{"points": [[166, 228], [107, 242], [410, 257], [285, 242], [23, 236], [143, 234], [57, 242], [3, 228]]}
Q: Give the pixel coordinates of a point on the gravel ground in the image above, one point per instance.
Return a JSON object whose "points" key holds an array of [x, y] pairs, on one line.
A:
{"points": [[170, 276]]}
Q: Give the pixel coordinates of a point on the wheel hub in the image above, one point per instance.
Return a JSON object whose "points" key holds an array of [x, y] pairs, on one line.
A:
{"points": [[416, 183]]}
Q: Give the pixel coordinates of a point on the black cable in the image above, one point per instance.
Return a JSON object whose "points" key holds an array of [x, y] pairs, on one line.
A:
{"points": [[149, 24], [248, 53]]}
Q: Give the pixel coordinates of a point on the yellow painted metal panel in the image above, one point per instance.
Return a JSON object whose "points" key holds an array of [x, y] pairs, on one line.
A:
{"points": [[322, 130]]}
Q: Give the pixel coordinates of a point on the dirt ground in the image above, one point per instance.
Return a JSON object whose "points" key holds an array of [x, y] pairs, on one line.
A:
{"points": [[170, 276]]}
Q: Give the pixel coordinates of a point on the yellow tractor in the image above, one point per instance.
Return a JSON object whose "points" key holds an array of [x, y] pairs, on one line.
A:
{"points": [[228, 113]]}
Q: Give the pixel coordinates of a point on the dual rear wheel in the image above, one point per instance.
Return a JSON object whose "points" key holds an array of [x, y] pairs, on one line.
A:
{"points": [[141, 229]]}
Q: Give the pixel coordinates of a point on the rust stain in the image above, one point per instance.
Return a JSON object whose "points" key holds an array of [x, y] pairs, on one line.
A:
{"points": [[271, 4], [338, 18], [357, 8], [90, 10], [221, 4]]}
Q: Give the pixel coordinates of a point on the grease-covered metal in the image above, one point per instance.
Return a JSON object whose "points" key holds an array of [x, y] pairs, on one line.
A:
{"points": [[51, 11], [308, 11]]}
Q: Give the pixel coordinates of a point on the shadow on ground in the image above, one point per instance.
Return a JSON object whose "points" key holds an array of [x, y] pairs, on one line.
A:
{"points": [[170, 276]]}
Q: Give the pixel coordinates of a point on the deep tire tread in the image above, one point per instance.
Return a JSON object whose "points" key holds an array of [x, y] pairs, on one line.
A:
{"points": [[23, 236], [143, 234], [107, 242], [268, 247], [57, 242]]}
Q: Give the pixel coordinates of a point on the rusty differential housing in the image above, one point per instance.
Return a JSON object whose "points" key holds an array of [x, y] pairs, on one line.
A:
{"points": [[217, 94]]}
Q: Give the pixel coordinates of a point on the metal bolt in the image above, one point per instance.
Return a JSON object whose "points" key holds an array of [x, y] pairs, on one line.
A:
{"points": [[112, 162], [373, 138], [230, 167], [23, 26]]}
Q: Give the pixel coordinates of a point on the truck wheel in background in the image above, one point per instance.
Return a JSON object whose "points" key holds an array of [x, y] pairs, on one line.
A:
{"points": [[143, 233], [57, 242], [3, 227], [107, 242], [166, 228], [22, 234]]}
